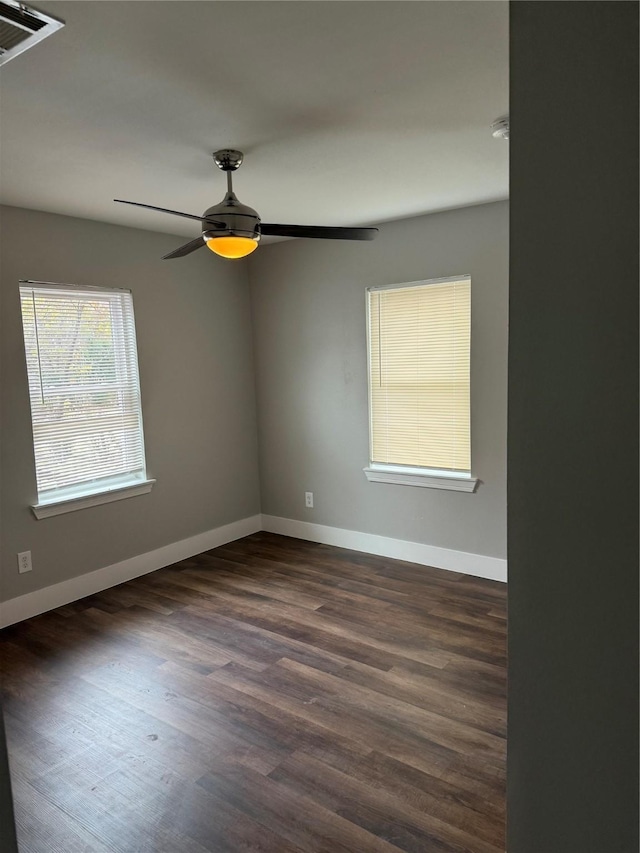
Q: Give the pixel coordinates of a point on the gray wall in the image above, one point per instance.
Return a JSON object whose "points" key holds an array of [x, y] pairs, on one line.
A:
{"points": [[195, 355], [308, 301], [573, 429]]}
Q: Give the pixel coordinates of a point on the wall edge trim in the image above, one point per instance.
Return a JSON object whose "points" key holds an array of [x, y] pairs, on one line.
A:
{"points": [[49, 597], [57, 595], [463, 562]]}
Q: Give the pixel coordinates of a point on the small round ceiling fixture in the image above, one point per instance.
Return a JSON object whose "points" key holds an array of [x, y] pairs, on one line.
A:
{"points": [[500, 127]]}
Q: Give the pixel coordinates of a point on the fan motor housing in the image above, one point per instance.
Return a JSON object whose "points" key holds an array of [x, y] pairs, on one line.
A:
{"points": [[240, 220]]}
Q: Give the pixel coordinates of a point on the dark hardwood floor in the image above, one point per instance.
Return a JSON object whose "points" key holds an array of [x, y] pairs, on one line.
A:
{"points": [[271, 695]]}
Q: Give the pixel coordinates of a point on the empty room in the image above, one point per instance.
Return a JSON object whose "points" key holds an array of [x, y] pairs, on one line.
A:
{"points": [[267, 287]]}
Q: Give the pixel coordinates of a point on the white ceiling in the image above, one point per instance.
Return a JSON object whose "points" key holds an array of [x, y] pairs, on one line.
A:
{"points": [[348, 112]]}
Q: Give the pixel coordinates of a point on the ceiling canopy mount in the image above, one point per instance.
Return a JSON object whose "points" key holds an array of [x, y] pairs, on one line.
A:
{"points": [[228, 159]]}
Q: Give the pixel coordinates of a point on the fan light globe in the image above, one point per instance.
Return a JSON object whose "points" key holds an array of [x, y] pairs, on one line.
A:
{"points": [[232, 247]]}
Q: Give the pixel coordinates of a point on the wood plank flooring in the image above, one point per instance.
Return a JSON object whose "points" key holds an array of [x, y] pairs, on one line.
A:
{"points": [[271, 695]]}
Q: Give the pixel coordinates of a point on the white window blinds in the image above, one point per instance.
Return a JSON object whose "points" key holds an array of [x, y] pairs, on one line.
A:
{"points": [[83, 383], [419, 345]]}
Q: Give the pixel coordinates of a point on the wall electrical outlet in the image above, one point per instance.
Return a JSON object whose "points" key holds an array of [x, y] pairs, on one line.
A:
{"points": [[308, 499], [24, 562]]}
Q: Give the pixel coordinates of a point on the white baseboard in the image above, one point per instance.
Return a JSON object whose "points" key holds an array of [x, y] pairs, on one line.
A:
{"points": [[34, 603], [479, 565]]}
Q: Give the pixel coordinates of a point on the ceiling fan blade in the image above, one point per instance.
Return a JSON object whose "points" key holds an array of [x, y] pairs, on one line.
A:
{"points": [[189, 247], [325, 233], [173, 212]]}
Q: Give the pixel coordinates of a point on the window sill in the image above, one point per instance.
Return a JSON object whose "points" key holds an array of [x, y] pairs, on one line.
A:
{"points": [[45, 510], [414, 477]]}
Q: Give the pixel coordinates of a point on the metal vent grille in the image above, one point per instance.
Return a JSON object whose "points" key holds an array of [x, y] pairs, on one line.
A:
{"points": [[21, 27]]}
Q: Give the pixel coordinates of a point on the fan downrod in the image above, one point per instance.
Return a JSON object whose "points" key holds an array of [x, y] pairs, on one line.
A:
{"points": [[228, 159]]}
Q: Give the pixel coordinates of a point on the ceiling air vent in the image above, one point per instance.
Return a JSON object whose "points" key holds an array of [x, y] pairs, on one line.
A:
{"points": [[21, 27]]}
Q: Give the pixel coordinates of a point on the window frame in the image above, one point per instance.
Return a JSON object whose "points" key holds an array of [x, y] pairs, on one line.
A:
{"points": [[411, 475], [106, 489]]}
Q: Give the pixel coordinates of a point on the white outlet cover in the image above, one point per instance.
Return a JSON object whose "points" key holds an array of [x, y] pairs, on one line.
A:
{"points": [[24, 562]]}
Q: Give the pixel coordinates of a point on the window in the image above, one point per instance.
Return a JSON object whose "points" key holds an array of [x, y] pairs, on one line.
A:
{"points": [[80, 346], [419, 412]]}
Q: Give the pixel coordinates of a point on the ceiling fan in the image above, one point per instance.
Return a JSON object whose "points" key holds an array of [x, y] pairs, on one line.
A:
{"points": [[233, 230]]}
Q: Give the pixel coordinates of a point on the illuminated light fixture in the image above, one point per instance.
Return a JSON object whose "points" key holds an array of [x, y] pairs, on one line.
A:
{"points": [[232, 247], [238, 224]]}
